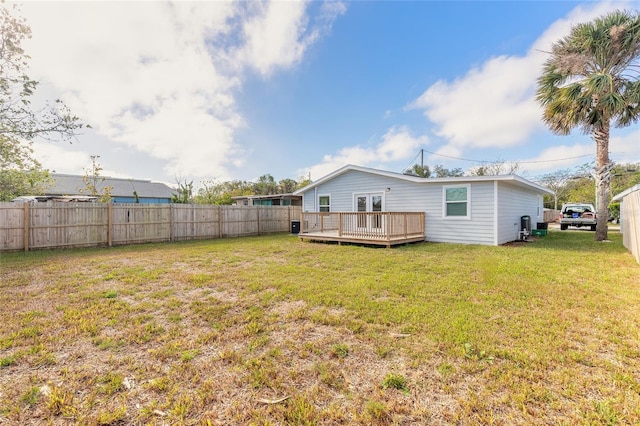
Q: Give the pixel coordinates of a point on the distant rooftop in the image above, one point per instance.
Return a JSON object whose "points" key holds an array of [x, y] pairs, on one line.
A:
{"points": [[75, 185]]}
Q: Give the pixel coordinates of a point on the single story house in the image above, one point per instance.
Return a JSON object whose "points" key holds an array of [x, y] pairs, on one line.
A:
{"points": [[268, 200], [471, 209], [122, 189], [630, 219]]}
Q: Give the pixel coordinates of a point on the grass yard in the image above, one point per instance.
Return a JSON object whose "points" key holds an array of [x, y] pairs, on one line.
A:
{"points": [[272, 331]]}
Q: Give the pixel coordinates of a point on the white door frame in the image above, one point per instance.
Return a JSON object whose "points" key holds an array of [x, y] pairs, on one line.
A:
{"points": [[368, 207]]}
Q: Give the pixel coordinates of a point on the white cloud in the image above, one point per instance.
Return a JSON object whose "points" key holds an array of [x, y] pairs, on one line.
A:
{"points": [[163, 78], [273, 36], [278, 33], [622, 149], [484, 108], [54, 153], [493, 105], [559, 157], [396, 144], [625, 149]]}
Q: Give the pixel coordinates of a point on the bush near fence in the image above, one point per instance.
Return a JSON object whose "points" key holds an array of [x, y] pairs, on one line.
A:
{"points": [[51, 225]]}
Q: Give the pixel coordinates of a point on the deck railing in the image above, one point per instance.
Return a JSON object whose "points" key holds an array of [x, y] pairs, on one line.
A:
{"points": [[370, 225]]}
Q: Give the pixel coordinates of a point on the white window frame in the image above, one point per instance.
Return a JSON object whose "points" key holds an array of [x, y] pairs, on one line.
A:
{"points": [[320, 206], [444, 202]]}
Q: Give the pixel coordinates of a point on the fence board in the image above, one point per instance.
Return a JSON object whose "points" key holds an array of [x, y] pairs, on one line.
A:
{"points": [[630, 223], [11, 227], [50, 225], [62, 225], [551, 215]]}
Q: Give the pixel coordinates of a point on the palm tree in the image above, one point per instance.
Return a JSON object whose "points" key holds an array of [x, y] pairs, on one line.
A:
{"points": [[590, 81]]}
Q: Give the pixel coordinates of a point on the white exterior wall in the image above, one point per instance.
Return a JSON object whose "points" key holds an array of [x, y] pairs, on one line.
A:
{"points": [[482, 226], [513, 203], [477, 229], [400, 195], [308, 203], [630, 220]]}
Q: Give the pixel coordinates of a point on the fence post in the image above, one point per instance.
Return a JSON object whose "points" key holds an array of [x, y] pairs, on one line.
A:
{"points": [[109, 225], [258, 219], [27, 218], [193, 220], [171, 219], [219, 221]]}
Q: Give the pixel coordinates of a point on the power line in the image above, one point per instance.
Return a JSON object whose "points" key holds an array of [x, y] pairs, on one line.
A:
{"points": [[557, 159], [486, 161], [523, 162]]}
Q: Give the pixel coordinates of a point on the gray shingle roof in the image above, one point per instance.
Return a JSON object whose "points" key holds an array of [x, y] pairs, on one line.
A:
{"points": [[74, 185]]}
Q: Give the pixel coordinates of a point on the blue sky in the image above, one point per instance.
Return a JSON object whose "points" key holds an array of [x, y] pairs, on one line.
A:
{"points": [[222, 90]]}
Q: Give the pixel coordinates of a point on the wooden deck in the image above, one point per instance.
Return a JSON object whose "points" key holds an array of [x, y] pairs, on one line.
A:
{"points": [[377, 228]]}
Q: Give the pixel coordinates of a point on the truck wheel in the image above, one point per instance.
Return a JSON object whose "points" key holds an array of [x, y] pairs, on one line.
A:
{"points": [[593, 227], [564, 227]]}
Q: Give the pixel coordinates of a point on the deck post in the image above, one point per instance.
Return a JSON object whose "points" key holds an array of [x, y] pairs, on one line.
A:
{"points": [[406, 225], [388, 216], [339, 224]]}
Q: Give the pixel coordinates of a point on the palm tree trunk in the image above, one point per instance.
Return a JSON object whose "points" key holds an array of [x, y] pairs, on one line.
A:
{"points": [[603, 180]]}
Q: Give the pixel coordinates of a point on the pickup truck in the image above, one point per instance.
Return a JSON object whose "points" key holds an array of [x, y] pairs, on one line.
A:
{"points": [[578, 214]]}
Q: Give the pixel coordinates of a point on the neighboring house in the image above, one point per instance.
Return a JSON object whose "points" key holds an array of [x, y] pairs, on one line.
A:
{"points": [[122, 189], [268, 200], [469, 209], [630, 219]]}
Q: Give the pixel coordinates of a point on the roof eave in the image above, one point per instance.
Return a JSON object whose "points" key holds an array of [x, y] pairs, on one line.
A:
{"points": [[350, 167]]}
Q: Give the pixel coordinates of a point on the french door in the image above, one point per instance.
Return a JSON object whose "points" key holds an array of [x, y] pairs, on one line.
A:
{"points": [[366, 203]]}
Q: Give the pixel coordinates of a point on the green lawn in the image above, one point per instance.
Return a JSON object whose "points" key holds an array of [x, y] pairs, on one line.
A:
{"points": [[269, 330]]}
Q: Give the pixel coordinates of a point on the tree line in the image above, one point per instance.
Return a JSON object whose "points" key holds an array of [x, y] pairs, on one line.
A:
{"points": [[579, 185], [222, 193]]}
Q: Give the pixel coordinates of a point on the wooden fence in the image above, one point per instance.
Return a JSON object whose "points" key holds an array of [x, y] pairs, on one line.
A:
{"points": [[630, 222], [48, 225], [551, 215]]}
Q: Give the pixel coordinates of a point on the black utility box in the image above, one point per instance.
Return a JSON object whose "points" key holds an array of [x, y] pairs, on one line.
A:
{"points": [[295, 226]]}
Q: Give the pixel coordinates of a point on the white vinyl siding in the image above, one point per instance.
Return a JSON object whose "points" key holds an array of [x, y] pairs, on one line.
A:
{"points": [[513, 203], [399, 195], [478, 229]]}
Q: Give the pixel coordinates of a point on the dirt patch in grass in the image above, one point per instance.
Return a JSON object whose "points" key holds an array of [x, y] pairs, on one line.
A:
{"points": [[274, 331]]}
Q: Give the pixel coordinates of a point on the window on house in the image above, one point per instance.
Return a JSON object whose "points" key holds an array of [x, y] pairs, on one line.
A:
{"points": [[324, 203], [456, 201]]}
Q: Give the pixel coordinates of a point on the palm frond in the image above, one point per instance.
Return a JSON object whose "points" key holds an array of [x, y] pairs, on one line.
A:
{"points": [[591, 76]]}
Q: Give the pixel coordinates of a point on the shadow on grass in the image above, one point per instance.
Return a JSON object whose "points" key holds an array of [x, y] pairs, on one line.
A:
{"points": [[575, 240]]}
